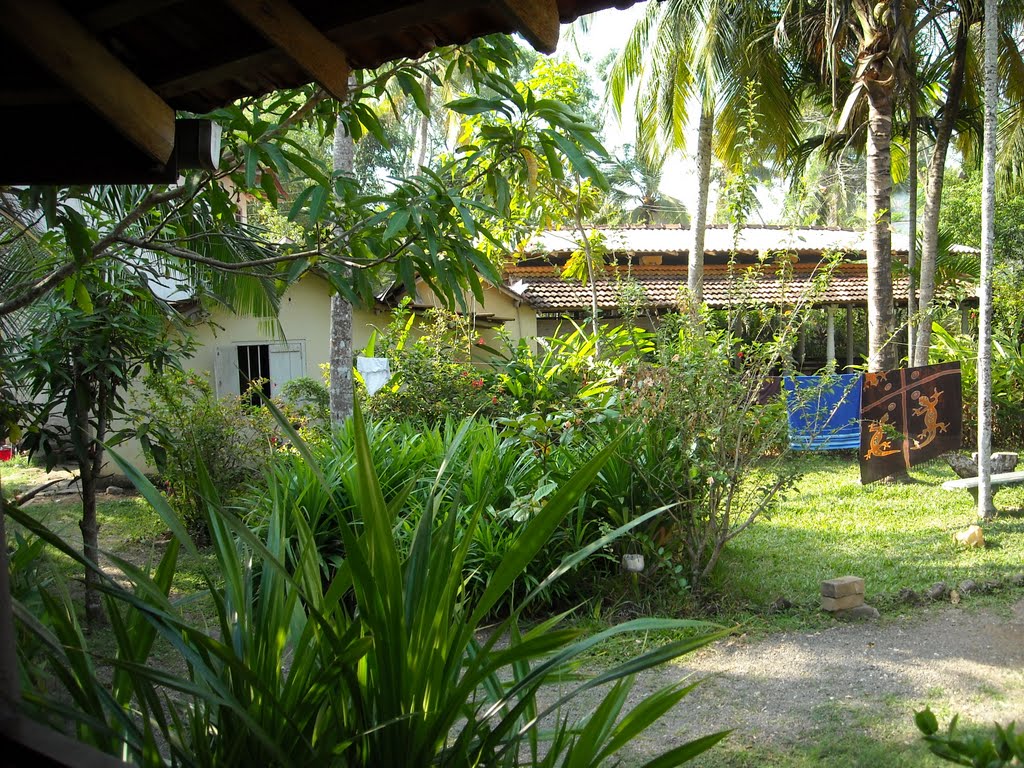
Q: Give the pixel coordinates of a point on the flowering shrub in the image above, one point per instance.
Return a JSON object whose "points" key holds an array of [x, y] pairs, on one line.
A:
{"points": [[433, 374], [185, 427]]}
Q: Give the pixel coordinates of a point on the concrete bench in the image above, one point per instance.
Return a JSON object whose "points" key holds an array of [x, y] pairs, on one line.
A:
{"points": [[971, 484], [968, 483]]}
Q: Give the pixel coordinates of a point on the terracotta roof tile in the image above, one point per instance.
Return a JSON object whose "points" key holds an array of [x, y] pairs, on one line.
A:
{"points": [[552, 294]]}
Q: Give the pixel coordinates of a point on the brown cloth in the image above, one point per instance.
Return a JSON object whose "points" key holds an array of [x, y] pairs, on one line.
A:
{"points": [[908, 416]]}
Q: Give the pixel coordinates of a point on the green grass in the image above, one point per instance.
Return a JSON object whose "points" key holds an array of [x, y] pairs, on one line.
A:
{"points": [[894, 536], [129, 528]]}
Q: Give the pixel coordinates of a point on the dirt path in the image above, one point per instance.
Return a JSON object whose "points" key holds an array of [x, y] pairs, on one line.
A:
{"points": [[792, 691]]}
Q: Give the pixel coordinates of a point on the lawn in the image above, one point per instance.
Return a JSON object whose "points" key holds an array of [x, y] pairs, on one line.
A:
{"points": [[894, 536]]}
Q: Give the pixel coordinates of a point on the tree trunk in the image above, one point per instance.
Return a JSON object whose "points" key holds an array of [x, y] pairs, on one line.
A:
{"points": [[881, 347], [86, 445], [341, 391], [423, 138], [912, 239], [695, 272], [988, 211], [933, 195]]}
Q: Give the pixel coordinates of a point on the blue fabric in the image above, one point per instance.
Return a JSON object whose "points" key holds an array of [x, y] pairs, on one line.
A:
{"points": [[823, 411]]}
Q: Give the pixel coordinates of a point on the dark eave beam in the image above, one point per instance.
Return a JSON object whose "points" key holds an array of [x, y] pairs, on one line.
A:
{"points": [[536, 20], [71, 53], [300, 40]]}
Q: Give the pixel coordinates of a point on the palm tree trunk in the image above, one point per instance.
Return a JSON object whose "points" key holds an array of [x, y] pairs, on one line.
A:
{"points": [[423, 139], [695, 273], [881, 349], [912, 238], [933, 195], [988, 210], [341, 390]]}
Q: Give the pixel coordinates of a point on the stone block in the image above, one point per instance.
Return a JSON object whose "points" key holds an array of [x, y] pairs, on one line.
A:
{"points": [[842, 603], [860, 613], [843, 586]]}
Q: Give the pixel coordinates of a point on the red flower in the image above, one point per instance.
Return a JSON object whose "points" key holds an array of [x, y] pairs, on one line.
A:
{"points": [[480, 341], [739, 355], [478, 382]]}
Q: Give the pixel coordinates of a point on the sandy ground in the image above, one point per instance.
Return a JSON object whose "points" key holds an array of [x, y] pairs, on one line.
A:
{"points": [[785, 689]]}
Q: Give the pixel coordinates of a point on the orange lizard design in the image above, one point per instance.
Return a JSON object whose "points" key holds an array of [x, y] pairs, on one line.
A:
{"points": [[879, 446], [932, 425]]}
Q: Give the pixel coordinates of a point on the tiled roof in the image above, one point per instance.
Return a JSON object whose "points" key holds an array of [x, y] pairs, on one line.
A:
{"points": [[845, 286], [719, 240]]}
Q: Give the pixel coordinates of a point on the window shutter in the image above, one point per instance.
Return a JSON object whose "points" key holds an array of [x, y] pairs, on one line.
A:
{"points": [[225, 372], [287, 362]]}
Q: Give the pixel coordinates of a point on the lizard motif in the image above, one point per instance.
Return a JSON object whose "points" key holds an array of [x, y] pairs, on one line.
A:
{"points": [[874, 379], [932, 425], [879, 446]]}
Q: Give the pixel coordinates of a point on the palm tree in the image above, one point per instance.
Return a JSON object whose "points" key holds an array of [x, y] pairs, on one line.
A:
{"points": [[685, 53], [963, 89], [635, 195], [864, 41], [988, 209]]}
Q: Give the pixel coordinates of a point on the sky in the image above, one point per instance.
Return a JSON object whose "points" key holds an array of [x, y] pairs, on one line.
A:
{"points": [[608, 31]]}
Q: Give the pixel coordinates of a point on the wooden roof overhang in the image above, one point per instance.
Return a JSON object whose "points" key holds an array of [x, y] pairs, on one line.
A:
{"points": [[90, 88]]}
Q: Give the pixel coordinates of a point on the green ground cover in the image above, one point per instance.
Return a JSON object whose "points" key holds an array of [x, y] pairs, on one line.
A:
{"points": [[894, 536]]}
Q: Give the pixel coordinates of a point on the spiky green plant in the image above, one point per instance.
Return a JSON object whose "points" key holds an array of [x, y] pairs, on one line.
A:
{"points": [[387, 663]]}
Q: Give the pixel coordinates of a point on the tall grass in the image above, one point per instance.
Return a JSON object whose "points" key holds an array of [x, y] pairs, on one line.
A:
{"points": [[382, 659]]}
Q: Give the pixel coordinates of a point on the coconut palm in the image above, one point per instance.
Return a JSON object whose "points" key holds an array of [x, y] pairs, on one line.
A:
{"points": [[955, 115], [635, 195], [684, 54], [988, 210], [864, 42]]}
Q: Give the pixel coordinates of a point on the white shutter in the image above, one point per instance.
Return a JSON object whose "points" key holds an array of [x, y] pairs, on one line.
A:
{"points": [[287, 362], [225, 372]]}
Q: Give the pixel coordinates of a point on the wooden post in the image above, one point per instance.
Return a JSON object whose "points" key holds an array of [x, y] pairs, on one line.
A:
{"points": [[9, 681], [965, 319], [830, 338], [849, 336], [801, 349]]}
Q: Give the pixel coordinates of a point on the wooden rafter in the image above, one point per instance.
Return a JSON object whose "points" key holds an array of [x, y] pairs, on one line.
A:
{"points": [[296, 36], [70, 52], [536, 20]]}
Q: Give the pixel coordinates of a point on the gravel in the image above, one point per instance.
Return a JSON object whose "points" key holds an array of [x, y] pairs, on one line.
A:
{"points": [[773, 691]]}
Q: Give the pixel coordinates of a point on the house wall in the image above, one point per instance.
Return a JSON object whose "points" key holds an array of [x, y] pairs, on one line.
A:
{"points": [[304, 320], [305, 316], [520, 319]]}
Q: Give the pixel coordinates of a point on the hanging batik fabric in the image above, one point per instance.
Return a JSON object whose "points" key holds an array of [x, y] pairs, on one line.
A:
{"points": [[908, 416], [823, 411]]}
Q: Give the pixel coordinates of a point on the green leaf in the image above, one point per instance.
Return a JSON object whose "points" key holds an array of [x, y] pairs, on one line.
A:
{"points": [[926, 721], [475, 105], [687, 751]]}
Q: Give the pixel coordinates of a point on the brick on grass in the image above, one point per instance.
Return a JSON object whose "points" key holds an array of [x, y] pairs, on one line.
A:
{"points": [[843, 586], [842, 603]]}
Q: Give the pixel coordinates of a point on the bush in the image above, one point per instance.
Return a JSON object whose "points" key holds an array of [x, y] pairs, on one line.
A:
{"points": [[1007, 373], [385, 664], [433, 374], [186, 428], [696, 438]]}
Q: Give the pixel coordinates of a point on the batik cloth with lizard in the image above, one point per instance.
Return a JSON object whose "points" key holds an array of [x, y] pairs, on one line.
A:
{"points": [[908, 416]]}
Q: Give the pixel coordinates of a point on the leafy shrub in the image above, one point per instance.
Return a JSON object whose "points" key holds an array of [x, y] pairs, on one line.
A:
{"points": [[306, 403], [433, 374], [185, 426], [997, 748], [385, 664], [696, 438], [1007, 373]]}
